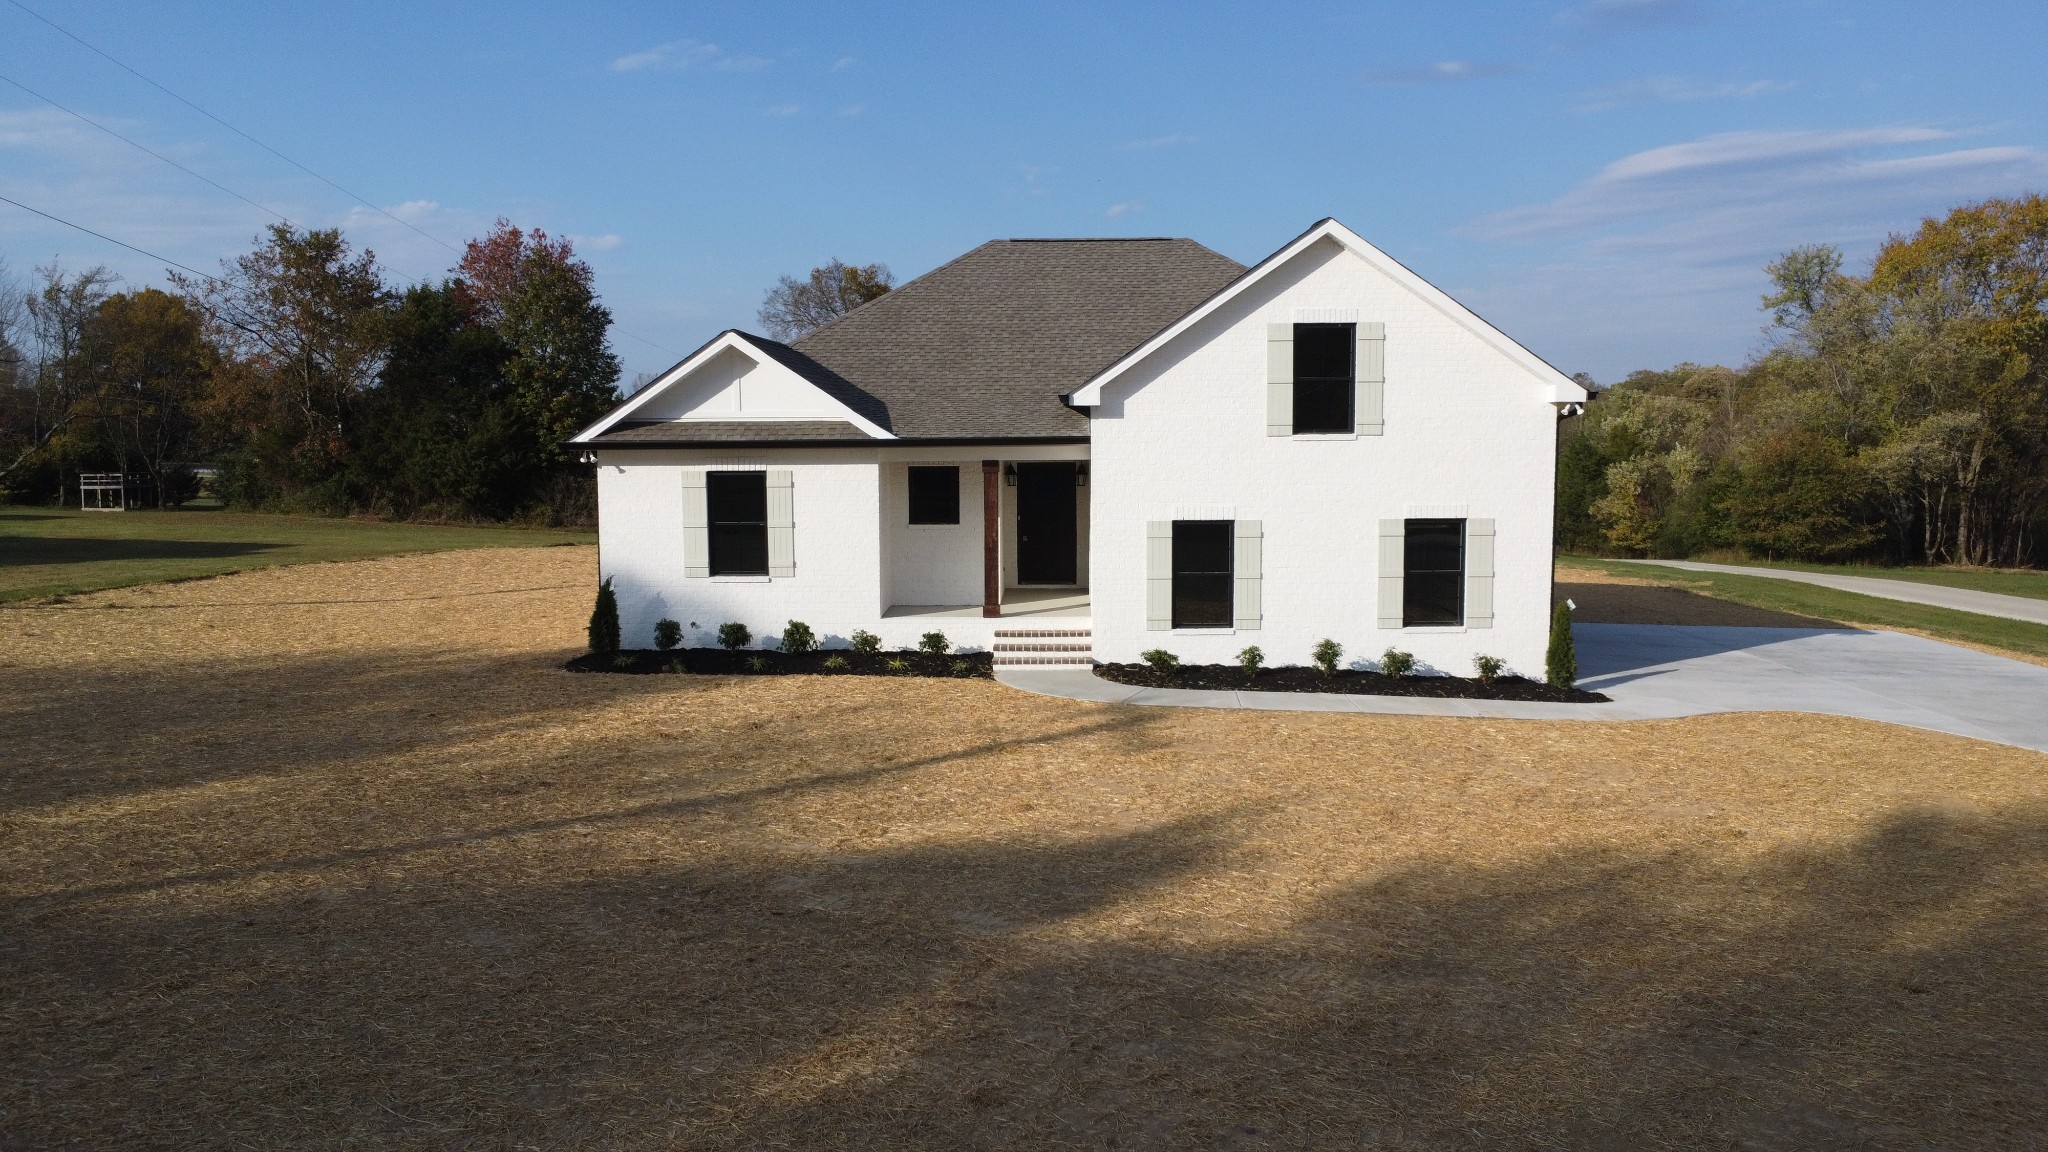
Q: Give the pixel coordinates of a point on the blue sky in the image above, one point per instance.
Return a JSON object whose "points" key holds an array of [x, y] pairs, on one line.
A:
{"points": [[1604, 180]]}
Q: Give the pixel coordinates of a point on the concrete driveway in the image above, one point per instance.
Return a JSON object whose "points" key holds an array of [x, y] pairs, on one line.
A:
{"points": [[1912, 591], [1655, 671]]}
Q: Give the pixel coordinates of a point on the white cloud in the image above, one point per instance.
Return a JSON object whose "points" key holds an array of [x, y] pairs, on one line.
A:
{"points": [[604, 243], [843, 63], [1441, 72], [853, 110], [784, 111], [1675, 90], [1125, 209], [680, 55], [1168, 141]]}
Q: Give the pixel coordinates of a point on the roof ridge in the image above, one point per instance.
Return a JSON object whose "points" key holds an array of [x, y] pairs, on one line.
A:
{"points": [[1092, 239]]}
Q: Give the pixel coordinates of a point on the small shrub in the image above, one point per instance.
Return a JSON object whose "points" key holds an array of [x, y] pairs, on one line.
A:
{"points": [[1561, 660], [675, 667], [667, 634], [962, 667], [1251, 660], [798, 638], [734, 636], [1395, 663], [1161, 660], [935, 643], [1489, 668], [604, 620], [757, 663], [835, 663], [1326, 654], [897, 664], [866, 643], [621, 660]]}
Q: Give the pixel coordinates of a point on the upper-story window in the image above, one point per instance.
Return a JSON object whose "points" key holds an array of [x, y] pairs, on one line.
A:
{"points": [[934, 494], [1324, 377], [736, 512]]}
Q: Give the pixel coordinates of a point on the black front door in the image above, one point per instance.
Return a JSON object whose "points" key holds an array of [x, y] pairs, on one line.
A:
{"points": [[1045, 524]]}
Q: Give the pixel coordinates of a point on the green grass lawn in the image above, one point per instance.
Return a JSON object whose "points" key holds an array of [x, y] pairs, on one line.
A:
{"points": [[2006, 581], [55, 551], [1847, 607]]}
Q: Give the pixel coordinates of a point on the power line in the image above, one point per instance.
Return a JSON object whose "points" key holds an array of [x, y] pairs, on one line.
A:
{"points": [[145, 148], [111, 240], [230, 127]]}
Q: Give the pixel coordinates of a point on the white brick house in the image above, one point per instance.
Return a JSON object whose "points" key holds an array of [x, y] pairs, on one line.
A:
{"points": [[1128, 443]]}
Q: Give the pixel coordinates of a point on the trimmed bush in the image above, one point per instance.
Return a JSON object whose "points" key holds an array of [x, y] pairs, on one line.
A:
{"points": [[1395, 663], [798, 638], [604, 620], [1489, 668], [1326, 654], [835, 663], [1561, 660], [1161, 660], [667, 634], [734, 636], [866, 643], [935, 643], [1251, 660]]}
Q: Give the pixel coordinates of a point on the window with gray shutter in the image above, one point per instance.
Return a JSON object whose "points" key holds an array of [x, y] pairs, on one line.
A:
{"points": [[781, 523], [1159, 575], [1478, 573], [1393, 561], [1371, 383], [1245, 609], [1279, 379], [696, 528]]}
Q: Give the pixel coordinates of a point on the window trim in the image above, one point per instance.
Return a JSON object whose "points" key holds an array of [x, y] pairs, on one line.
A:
{"points": [[910, 495], [712, 523]]}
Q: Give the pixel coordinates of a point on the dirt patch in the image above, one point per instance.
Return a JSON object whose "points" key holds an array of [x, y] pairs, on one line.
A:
{"points": [[1602, 598], [339, 857], [1231, 678]]}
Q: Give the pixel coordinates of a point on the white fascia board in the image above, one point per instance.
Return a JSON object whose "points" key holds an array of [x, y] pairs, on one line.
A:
{"points": [[736, 341], [1562, 389]]}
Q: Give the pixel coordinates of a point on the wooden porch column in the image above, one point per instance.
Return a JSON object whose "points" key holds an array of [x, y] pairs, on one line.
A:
{"points": [[991, 536]]}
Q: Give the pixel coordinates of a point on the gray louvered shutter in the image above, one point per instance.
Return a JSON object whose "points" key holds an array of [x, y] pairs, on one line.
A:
{"points": [[1279, 379], [1370, 388], [696, 527], [1478, 573], [1393, 563], [1244, 570], [1159, 575], [781, 523]]}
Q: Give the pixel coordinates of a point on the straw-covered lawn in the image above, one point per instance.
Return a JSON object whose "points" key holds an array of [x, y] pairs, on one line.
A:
{"points": [[333, 857]]}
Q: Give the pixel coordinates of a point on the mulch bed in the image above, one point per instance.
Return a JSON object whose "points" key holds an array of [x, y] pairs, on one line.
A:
{"points": [[757, 662], [1229, 677]]}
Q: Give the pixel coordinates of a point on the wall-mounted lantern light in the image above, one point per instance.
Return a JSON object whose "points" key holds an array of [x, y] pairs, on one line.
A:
{"points": [[1081, 475], [1010, 475]]}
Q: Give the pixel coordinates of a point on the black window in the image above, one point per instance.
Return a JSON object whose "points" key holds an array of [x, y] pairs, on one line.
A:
{"points": [[1323, 377], [736, 504], [1201, 573], [1433, 579], [934, 495]]}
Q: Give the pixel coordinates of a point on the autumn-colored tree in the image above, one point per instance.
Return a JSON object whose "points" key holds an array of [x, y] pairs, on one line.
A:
{"points": [[795, 307], [539, 298], [301, 326]]}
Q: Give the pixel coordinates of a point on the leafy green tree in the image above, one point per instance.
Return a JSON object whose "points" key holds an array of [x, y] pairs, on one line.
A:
{"points": [[146, 361]]}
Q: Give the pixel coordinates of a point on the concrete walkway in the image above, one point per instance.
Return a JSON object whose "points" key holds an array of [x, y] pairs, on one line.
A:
{"points": [[1939, 595], [1655, 671]]}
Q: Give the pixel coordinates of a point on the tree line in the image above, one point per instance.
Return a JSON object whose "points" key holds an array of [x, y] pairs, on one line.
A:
{"points": [[312, 383], [1898, 415]]}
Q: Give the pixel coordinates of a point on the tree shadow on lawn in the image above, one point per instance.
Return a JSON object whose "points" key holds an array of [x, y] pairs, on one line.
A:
{"points": [[21, 551], [1876, 993]]}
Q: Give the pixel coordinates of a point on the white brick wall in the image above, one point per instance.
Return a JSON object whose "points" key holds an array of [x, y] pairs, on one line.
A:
{"points": [[1465, 426]]}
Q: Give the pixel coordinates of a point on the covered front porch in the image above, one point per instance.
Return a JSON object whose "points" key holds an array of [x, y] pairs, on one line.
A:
{"points": [[994, 538]]}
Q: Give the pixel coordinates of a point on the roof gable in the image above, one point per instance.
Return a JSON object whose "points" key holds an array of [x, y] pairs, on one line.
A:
{"points": [[740, 378], [1560, 388]]}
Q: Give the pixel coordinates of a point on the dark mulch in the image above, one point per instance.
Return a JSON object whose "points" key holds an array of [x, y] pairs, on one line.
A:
{"points": [[755, 662], [1231, 677]]}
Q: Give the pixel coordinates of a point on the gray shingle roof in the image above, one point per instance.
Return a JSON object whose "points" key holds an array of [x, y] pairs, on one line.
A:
{"points": [[984, 346], [730, 432]]}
